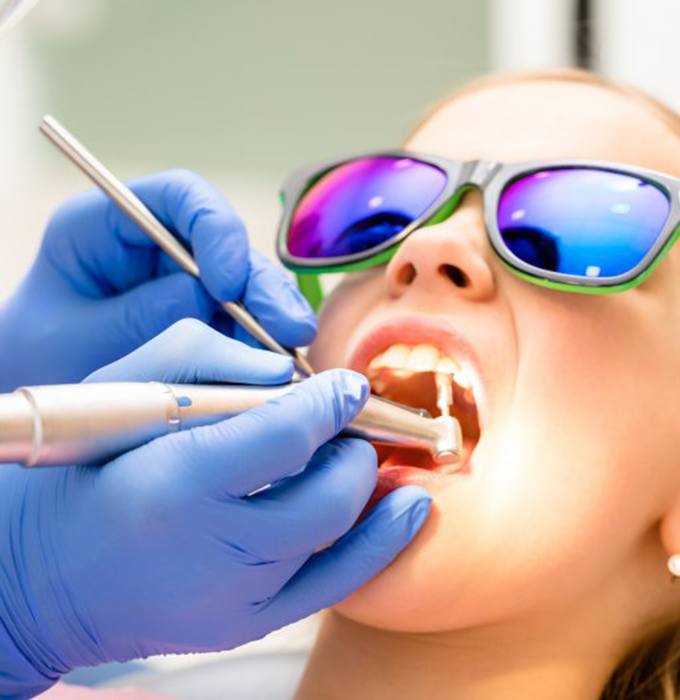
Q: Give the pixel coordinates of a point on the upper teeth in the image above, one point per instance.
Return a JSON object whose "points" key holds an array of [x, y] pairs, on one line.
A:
{"points": [[421, 358]]}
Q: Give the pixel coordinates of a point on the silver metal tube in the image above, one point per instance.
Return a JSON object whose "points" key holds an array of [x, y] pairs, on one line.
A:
{"points": [[91, 423], [144, 218]]}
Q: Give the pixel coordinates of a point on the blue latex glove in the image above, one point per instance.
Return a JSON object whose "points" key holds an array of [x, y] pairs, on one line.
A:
{"points": [[164, 550], [100, 287]]}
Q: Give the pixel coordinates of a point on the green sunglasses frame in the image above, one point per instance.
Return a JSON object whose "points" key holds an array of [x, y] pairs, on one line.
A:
{"points": [[491, 178]]}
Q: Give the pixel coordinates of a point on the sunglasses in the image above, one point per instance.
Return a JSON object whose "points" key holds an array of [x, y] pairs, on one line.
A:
{"points": [[574, 225]]}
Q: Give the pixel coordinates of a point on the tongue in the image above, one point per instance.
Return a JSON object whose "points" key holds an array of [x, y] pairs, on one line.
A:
{"points": [[405, 457]]}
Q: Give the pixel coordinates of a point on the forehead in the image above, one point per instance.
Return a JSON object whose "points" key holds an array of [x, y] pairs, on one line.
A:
{"points": [[545, 119]]}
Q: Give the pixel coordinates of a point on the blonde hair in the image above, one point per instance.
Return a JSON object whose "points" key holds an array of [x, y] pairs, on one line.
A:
{"points": [[651, 669]]}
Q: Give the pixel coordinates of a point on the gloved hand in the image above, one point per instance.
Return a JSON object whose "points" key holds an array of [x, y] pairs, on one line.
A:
{"points": [[100, 287], [167, 548]]}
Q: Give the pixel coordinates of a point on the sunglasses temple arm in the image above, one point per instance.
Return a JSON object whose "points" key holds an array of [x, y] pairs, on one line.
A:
{"points": [[310, 286]]}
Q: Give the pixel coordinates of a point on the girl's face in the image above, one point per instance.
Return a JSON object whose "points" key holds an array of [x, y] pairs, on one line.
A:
{"points": [[560, 505]]}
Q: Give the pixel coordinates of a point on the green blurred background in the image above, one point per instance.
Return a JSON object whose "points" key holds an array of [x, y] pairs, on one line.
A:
{"points": [[256, 85], [242, 91]]}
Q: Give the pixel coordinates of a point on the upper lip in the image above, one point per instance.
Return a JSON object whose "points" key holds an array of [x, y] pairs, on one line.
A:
{"points": [[416, 329]]}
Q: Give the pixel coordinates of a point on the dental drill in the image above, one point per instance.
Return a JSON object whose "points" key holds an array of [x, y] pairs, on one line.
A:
{"points": [[92, 423]]}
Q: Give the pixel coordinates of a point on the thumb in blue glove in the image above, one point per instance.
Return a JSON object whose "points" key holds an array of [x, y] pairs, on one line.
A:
{"points": [[176, 546]]}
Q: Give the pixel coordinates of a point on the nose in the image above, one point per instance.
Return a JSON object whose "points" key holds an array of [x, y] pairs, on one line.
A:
{"points": [[448, 257]]}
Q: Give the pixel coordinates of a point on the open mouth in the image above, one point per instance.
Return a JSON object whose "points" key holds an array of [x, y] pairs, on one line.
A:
{"points": [[424, 362], [425, 376]]}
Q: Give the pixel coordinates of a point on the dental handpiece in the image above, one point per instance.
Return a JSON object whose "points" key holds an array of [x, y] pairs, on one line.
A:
{"points": [[92, 423]]}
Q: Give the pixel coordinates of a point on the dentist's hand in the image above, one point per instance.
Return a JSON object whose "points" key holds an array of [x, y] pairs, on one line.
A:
{"points": [[168, 548], [100, 287]]}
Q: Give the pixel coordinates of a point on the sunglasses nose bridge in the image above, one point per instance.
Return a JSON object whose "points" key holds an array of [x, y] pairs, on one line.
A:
{"points": [[478, 173], [471, 175]]}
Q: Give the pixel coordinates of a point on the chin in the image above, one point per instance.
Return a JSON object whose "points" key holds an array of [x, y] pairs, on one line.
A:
{"points": [[393, 600], [426, 588]]}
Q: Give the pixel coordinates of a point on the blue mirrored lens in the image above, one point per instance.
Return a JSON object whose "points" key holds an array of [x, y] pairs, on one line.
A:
{"points": [[361, 204], [582, 221]]}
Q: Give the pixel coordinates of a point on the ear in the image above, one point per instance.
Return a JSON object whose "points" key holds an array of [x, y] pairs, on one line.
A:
{"points": [[670, 529]]}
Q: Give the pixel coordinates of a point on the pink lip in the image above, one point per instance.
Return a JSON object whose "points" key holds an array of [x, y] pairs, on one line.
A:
{"points": [[411, 330]]}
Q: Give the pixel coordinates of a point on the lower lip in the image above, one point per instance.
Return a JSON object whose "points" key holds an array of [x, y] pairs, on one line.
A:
{"points": [[392, 478], [393, 475]]}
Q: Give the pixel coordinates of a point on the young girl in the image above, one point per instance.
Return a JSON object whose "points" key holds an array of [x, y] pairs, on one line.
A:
{"points": [[543, 571]]}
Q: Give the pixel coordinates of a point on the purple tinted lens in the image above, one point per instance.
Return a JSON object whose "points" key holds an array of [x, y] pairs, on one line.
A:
{"points": [[361, 204], [581, 221]]}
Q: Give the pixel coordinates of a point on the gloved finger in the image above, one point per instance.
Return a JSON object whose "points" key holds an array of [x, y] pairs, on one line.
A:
{"points": [[134, 317], [274, 299], [190, 352], [314, 508], [244, 453], [103, 252], [330, 576]]}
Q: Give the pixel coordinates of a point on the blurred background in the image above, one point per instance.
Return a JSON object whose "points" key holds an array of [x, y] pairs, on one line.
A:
{"points": [[243, 91]]}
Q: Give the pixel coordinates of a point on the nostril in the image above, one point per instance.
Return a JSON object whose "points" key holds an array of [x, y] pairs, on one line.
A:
{"points": [[406, 274], [455, 274]]}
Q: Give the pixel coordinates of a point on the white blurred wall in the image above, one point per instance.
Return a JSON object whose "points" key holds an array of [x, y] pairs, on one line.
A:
{"points": [[18, 83], [637, 41], [529, 34]]}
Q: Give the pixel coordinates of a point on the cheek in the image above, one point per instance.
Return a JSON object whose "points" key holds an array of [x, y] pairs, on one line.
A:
{"points": [[539, 524], [340, 314], [542, 521], [560, 493]]}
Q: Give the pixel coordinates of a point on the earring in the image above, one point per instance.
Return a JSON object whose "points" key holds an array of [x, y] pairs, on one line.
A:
{"points": [[674, 566]]}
